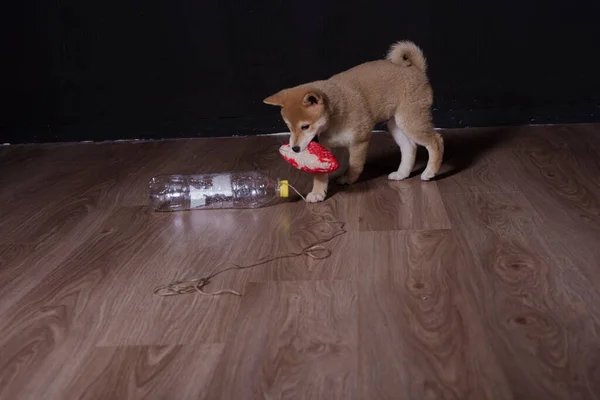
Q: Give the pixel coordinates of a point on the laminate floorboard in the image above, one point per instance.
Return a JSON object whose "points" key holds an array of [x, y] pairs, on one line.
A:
{"points": [[534, 309], [406, 205], [560, 177], [556, 178], [309, 350], [482, 284], [145, 372], [68, 209], [420, 333], [476, 161]]}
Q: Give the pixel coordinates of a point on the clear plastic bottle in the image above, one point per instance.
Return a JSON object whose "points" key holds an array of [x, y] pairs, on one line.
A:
{"points": [[209, 191]]}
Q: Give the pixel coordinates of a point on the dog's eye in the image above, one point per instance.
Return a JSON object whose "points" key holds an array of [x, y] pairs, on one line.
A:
{"points": [[304, 127]]}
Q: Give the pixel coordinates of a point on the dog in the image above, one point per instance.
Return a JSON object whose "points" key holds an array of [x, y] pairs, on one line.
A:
{"points": [[342, 111]]}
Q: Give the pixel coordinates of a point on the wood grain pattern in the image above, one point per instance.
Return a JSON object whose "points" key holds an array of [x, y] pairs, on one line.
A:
{"points": [[18, 155], [476, 161], [530, 308], [560, 178], [480, 285], [53, 224], [405, 205], [14, 263], [295, 227], [420, 336], [309, 352], [59, 319], [145, 372]]}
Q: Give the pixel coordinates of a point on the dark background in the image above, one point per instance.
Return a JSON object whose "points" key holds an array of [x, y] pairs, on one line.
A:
{"points": [[99, 70]]}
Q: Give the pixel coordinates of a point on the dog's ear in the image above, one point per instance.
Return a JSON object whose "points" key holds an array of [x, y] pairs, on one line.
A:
{"points": [[313, 98], [276, 100]]}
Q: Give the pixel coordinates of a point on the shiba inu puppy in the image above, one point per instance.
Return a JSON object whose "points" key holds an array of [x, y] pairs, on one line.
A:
{"points": [[343, 110]]}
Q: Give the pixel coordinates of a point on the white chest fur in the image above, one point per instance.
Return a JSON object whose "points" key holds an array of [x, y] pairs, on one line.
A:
{"points": [[337, 139]]}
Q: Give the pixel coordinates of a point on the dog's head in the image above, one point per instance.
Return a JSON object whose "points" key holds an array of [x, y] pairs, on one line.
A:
{"points": [[304, 110]]}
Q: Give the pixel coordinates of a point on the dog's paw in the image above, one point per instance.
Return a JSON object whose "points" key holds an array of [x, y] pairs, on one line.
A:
{"points": [[314, 197], [345, 180], [398, 176], [427, 175]]}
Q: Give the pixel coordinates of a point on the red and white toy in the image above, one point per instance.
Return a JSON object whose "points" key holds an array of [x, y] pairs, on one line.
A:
{"points": [[316, 159]]}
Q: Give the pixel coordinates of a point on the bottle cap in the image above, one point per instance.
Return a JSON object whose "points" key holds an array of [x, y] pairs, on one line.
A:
{"points": [[284, 189]]}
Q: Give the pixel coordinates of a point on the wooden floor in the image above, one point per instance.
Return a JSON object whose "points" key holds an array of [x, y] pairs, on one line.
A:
{"points": [[483, 284]]}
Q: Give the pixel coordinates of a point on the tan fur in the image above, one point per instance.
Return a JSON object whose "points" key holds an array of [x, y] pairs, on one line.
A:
{"points": [[343, 110]]}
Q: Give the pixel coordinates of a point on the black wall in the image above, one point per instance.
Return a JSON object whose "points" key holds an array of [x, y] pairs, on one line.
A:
{"points": [[99, 70]]}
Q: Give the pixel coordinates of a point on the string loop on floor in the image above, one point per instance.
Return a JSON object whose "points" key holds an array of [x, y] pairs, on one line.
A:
{"points": [[314, 250]]}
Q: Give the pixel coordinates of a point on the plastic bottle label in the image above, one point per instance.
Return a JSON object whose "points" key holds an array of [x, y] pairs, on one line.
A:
{"points": [[197, 197], [221, 186]]}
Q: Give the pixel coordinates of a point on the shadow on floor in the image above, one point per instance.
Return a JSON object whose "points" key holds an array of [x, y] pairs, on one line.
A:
{"points": [[463, 148]]}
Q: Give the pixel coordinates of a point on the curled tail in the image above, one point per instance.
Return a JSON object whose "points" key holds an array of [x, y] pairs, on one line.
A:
{"points": [[407, 53]]}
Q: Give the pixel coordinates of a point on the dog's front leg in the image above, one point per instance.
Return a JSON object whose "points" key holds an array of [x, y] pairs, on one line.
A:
{"points": [[356, 163], [319, 190]]}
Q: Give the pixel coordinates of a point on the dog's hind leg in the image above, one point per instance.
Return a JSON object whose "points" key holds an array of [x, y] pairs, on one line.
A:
{"points": [[408, 148], [417, 127]]}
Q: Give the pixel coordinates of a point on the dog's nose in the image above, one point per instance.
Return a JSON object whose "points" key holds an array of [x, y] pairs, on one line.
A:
{"points": [[296, 149]]}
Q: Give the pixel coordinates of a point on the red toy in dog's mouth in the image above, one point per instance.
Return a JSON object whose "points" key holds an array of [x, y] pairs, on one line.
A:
{"points": [[316, 159]]}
